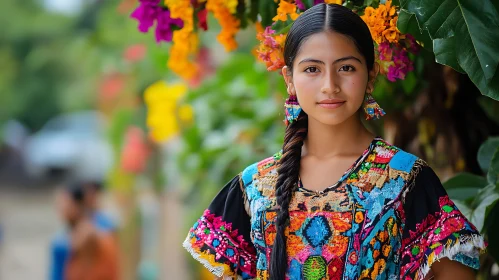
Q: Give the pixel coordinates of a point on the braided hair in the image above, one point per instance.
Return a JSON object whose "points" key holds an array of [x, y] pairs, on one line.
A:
{"points": [[319, 18]]}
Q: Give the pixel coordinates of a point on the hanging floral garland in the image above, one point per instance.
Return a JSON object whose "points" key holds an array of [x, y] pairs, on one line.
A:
{"points": [[179, 21]]}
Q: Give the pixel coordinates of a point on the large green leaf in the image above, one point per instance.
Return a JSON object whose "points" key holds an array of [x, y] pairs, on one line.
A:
{"points": [[464, 185], [486, 151], [482, 204], [407, 23], [493, 173], [491, 227], [490, 108], [468, 32]]}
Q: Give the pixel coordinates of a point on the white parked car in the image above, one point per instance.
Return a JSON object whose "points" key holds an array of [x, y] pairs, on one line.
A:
{"points": [[74, 143]]}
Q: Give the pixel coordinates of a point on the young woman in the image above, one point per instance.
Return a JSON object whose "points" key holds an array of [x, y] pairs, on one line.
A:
{"points": [[300, 215]]}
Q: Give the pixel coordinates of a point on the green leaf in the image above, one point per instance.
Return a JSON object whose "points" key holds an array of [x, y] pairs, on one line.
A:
{"points": [[268, 9], [493, 173], [253, 10], [474, 26], [464, 186], [407, 23], [444, 53], [491, 226], [282, 27], [490, 107], [240, 14], [465, 180], [486, 151], [485, 198]]}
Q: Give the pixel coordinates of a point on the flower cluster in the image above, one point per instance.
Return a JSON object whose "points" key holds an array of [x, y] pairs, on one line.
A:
{"points": [[271, 45], [285, 9], [394, 59], [149, 12], [181, 20], [393, 46], [185, 40], [382, 23], [165, 113]]}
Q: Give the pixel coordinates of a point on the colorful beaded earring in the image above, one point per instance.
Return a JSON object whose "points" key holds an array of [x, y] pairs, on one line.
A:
{"points": [[292, 109], [371, 108]]}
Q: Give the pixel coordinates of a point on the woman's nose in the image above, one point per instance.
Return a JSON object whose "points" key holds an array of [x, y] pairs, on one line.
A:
{"points": [[330, 84]]}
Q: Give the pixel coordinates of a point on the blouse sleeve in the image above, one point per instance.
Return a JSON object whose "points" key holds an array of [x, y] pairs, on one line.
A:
{"points": [[434, 228], [220, 239]]}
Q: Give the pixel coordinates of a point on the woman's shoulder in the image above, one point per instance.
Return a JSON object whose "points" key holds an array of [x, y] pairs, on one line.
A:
{"points": [[395, 158], [261, 168]]}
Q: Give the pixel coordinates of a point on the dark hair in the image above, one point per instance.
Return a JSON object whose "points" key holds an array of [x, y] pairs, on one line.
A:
{"points": [[76, 192], [319, 18]]}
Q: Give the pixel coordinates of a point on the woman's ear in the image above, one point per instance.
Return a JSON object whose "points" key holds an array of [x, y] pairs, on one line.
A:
{"points": [[288, 79], [372, 77]]}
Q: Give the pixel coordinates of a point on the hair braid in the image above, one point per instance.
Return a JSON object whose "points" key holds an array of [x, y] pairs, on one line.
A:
{"points": [[288, 171]]}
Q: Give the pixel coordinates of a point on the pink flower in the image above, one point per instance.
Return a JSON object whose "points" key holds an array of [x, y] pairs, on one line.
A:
{"points": [[394, 62], [385, 52]]}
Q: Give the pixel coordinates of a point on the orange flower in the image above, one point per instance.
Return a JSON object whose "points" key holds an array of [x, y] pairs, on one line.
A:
{"points": [[339, 2], [230, 24], [285, 9], [382, 23], [185, 41]]}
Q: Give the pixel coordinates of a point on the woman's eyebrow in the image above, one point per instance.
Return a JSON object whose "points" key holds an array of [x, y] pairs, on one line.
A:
{"points": [[336, 61], [312, 60], [347, 58]]}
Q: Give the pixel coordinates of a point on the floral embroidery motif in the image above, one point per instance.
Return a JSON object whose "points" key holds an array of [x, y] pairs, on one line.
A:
{"points": [[212, 236]]}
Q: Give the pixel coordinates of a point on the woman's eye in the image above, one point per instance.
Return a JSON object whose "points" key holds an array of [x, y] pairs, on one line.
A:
{"points": [[347, 68], [312, 69]]}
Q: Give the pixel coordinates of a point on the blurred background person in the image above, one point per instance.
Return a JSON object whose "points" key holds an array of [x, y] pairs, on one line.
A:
{"points": [[87, 247]]}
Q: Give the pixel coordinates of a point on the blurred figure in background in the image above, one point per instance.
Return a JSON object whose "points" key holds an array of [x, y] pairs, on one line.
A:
{"points": [[87, 247]]}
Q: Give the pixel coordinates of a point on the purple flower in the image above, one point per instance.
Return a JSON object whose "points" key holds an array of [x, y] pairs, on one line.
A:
{"points": [[411, 44], [385, 51], [402, 65], [300, 5], [163, 29], [146, 13], [318, 2]]}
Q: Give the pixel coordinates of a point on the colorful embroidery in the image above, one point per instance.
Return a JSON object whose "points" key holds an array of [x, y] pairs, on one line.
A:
{"points": [[363, 227], [221, 249], [442, 234]]}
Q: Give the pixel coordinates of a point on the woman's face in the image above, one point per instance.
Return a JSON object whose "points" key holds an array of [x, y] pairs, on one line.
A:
{"points": [[330, 77], [68, 209]]}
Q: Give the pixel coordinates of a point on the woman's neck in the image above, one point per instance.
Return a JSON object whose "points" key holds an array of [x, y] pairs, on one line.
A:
{"points": [[325, 141]]}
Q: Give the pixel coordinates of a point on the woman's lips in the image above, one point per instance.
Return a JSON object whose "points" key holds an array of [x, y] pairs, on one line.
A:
{"points": [[331, 104]]}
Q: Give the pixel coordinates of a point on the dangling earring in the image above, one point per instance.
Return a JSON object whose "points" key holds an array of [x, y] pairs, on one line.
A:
{"points": [[292, 109], [371, 108]]}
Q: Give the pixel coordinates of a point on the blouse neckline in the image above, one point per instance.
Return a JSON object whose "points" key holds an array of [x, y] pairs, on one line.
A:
{"points": [[347, 173]]}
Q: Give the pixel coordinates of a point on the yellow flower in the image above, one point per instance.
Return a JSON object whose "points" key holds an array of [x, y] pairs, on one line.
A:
{"points": [[164, 111], [285, 9], [231, 5]]}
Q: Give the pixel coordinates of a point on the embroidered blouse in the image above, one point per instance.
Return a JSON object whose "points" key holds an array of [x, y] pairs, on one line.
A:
{"points": [[388, 217]]}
